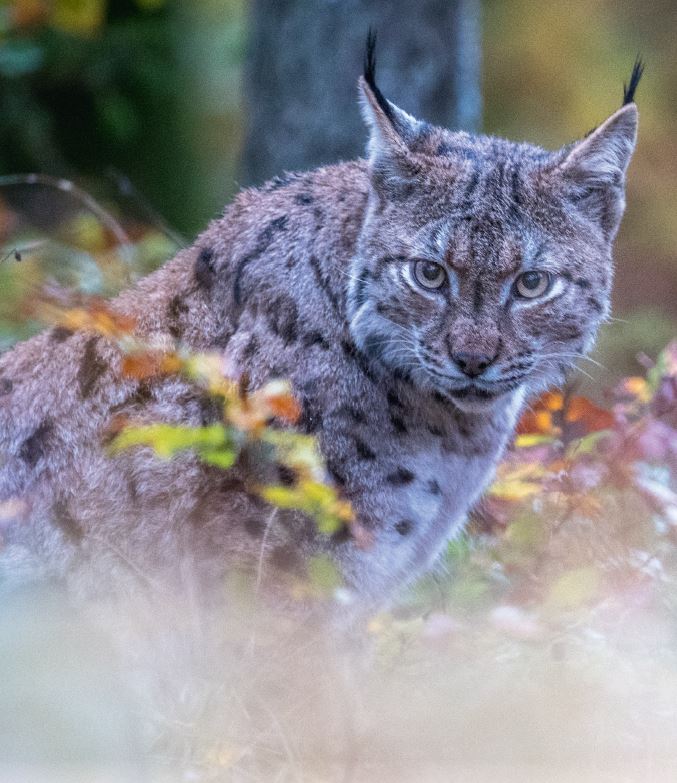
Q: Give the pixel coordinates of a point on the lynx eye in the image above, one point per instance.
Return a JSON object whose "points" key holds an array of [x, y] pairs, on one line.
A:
{"points": [[429, 275], [531, 285]]}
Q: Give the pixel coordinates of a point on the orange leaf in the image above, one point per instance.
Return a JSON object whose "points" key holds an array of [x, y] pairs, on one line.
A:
{"points": [[581, 411], [553, 411], [284, 406], [95, 316]]}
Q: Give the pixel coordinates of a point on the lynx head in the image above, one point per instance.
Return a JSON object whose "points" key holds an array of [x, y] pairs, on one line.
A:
{"points": [[484, 265]]}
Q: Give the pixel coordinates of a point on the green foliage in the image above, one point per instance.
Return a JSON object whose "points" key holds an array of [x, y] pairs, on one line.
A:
{"points": [[213, 444]]}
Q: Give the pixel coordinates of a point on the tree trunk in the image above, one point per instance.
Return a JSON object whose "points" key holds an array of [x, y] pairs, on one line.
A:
{"points": [[304, 59]]}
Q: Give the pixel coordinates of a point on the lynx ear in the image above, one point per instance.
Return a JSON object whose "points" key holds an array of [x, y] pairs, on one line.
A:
{"points": [[595, 168], [602, 158], [390, 128]]}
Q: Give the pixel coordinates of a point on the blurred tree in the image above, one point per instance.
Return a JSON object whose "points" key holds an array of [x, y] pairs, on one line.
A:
{"points": [[303, 63]]}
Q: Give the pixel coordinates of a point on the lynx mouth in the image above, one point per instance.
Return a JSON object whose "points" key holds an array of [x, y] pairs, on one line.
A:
{"points": [[472, 398]]}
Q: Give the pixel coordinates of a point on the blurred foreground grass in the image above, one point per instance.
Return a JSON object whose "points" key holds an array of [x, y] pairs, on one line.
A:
{"points": [[466, 696]]}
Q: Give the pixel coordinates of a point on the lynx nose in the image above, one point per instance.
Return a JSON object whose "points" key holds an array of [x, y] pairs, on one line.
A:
{"points": [[472, 364]]}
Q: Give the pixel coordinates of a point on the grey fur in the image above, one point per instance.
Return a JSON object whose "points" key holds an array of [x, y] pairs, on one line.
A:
{"points": [[310, 277]]}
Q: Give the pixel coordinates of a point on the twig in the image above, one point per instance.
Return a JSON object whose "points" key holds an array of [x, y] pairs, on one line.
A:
{"points": [[66, 186], [127, 188]]}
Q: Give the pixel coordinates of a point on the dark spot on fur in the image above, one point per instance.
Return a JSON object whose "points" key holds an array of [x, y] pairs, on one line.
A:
{"points": [[569, 332], [438, 432], [582, 282], [363, 450], [6, 386], [132, 488], [466, 199], [278, 371], [34, 448], [402, 375], [434, 487], [357, 416], [400, 477], [67, 523], [351, 412], [139, 397], [262, 242], [478, 296], [204, 271], [286, 475], [283, 318], [254, 526], [341, 536], [323, 282], [210, 409], [393, 399], [175, 309], [336, 474], [304, 199], [315, 338], [250, 348], [404, 527], [398, 424], [92, 367], [60, 334], [595, 304], [230, 483], [286, 558], [352, 352], [311, 416]]}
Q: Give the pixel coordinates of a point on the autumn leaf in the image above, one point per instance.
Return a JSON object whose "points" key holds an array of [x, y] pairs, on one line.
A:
{"points": [[253, 412], [554, 414], [281, 403], [539, 419], [96, 316], [581, 411], [518, 482], [213, 443], [148, 364], [318, 500]]}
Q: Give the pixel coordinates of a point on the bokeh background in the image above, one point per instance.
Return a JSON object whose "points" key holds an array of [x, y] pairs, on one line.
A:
{"points": [[162, 110]]}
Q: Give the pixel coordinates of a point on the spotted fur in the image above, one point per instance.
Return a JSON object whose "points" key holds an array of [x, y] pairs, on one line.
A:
{"points": [[412, 392]]}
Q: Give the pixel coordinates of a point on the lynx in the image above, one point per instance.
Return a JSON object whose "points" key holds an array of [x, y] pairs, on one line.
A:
{"points": [[415, 299]]}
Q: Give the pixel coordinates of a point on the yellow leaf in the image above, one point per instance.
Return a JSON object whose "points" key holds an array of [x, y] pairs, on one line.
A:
{"points": [[526, 441], [79, 17], [518, 483], [637, 387]]}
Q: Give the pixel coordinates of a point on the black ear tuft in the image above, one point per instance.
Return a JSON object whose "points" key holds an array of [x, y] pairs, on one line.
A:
{"points": [[370, 74], [370, 59], [635, 76]]}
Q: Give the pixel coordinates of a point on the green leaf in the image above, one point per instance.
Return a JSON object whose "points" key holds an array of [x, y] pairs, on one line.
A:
{"points": [[167, 439], [322, 573], [222, 459]]}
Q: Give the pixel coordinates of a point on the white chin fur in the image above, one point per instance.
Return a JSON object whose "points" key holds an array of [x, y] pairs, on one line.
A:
{"points": [[477, 405]]}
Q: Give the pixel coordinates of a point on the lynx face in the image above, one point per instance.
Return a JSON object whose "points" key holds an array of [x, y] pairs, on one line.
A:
{"points": [[485, 266]]}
